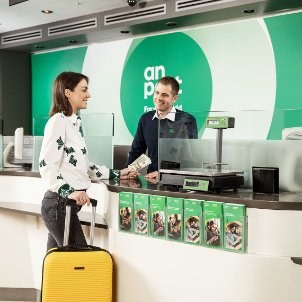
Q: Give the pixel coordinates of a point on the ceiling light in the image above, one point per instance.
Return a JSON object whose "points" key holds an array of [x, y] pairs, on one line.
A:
{"points": [[77, 3], [132, 2], [46, 11], [248, 11], [171, 23]]}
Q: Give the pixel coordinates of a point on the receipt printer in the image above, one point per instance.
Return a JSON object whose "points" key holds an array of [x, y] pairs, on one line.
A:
{"points": [[265, 180]]}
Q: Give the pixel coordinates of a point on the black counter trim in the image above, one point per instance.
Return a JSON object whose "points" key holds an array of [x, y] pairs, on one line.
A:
{"points": [[250, 203], [297, 260]]}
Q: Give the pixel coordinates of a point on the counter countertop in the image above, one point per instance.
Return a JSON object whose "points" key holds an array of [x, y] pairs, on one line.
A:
{"points": [[282, 201], [35, 210]]}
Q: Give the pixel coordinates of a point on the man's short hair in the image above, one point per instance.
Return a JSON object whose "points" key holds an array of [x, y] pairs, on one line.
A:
{"points": [[170, 81]]}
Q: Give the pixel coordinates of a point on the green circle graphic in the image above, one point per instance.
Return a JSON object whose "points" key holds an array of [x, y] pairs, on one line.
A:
{"points": [[151, 58]]}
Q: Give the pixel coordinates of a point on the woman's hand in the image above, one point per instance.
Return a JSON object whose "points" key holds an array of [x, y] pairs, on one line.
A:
{"points": [[80, 197], [127, 173]]}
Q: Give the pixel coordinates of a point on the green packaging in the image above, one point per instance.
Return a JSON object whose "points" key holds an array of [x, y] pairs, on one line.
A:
{"points": [[141, 209], [126, 211], [213, 224], [234, 227], [174, 219], [192, 221], [157, 216]]}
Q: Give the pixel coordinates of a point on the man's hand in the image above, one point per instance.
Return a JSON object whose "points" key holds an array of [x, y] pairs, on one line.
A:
{"points": [[152, 175], [127, 173]]}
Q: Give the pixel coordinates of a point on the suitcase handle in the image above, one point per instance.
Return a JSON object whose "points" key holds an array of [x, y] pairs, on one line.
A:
{"points": [[68, 203], [93, 202]]}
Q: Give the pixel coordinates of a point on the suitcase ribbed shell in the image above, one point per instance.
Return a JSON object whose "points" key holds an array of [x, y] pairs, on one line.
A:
{"points": [[70, 276]]}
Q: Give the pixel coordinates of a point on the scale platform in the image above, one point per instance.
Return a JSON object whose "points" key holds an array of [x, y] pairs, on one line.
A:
{"points": [[198, 180]]}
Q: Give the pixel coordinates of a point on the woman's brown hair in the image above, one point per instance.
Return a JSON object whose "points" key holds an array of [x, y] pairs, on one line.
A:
{"points": [[65, 80]]}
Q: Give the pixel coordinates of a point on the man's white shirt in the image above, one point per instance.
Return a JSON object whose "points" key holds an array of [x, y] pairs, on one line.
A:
{"points": [[170, 116]]}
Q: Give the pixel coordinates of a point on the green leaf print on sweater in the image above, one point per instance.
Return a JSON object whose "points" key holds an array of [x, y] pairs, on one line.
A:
{"points": [[42, 163], [81, 131], [65, 190], [60, 143], [72, 160], [98, 174], [69, 150]]}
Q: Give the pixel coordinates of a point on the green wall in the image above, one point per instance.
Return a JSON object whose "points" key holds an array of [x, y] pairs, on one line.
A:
{"points": [[286, 36], [45, 68], [280, 38]]}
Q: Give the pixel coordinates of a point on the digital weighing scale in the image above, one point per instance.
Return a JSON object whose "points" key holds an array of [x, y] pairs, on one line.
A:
{"points": [[211, 177], [198, 180]]}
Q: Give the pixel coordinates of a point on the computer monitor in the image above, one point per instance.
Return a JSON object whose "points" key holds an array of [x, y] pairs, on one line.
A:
{"points": [[18, 143], [293, 133]]}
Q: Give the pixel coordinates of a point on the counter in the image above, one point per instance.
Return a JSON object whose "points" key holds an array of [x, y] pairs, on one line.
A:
{"points": [[161, 270], [158, 270], [283, 201]]}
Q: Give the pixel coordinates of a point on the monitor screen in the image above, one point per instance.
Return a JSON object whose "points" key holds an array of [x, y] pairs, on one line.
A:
{"points": [[18, 143]]}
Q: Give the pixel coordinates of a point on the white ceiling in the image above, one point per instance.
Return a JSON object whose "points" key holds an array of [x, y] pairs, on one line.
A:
{"points": [[29, 14]]}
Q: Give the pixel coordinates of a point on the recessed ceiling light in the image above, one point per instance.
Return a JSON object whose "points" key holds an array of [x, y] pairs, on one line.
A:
{"points": [[46, 11], [171, 23], [248, 11], [77, 3], [125, 31]]}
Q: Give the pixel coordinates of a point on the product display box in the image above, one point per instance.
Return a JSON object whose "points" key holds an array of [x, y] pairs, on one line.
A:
{"points": [[235, 234], [213, 222], [126, 211], [192, 221], [174, 219], [157, 216], [209, 223], [141, 211]]}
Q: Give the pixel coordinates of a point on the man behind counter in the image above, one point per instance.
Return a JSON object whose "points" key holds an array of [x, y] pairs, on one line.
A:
{"points": [[146, 137]]}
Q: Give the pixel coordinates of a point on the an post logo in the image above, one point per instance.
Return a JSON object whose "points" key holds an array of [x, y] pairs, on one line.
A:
{"points": [[151, 75], [175, 55]]}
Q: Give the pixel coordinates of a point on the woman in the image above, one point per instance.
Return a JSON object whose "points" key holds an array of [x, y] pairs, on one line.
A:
{"points": [[63, 160]]}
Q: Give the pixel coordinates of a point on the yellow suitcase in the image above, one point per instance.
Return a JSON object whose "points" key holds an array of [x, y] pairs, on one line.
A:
{"points": [[73, 274]]}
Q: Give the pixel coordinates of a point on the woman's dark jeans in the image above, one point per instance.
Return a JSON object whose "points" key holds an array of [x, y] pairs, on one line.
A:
{"points": [[53, 213]]}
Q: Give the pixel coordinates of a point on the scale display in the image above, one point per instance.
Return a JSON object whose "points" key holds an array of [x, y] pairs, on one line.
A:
{"points": [[196, 184], [220, 122]]}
